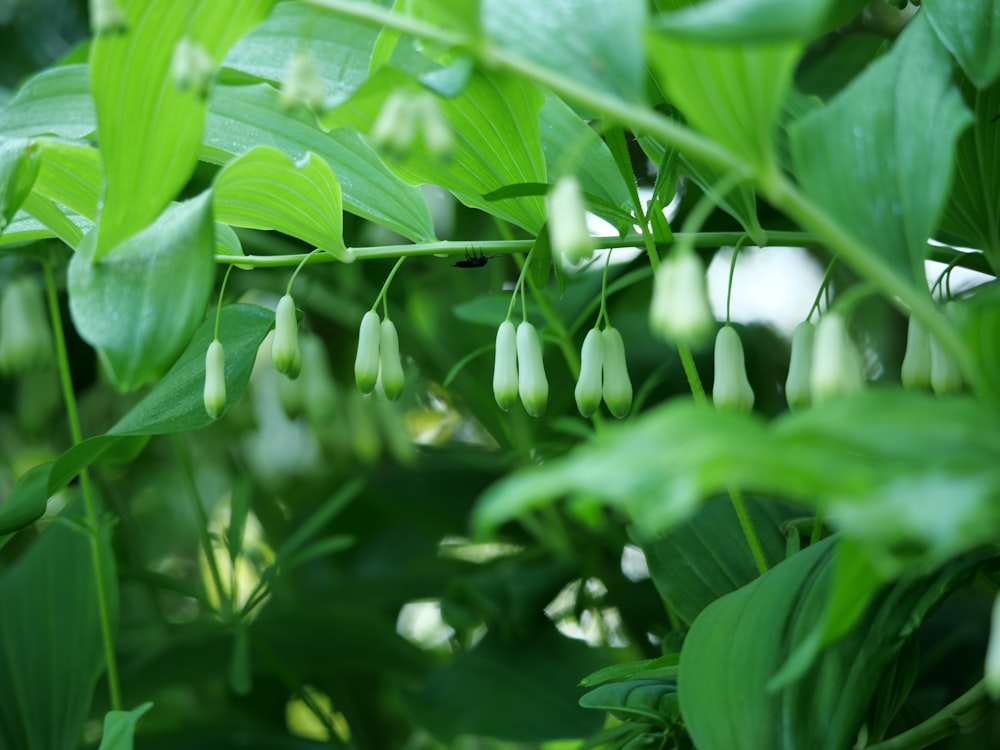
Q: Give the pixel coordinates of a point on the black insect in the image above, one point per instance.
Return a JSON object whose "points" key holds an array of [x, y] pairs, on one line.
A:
{"points": [[473, 259]]}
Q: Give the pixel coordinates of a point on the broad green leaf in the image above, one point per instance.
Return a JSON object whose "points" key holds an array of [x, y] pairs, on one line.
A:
{"points": [[756, 20], [456, 14], [19, 165], [119, 727], [71, 174], [732, 93], [26, 502], [661, 667], [340, 46], [970, 29], [68, 227], [243, 117], [497, 141], [266, 189], [879, 156], [50, 640], [140, 304], [598, 44], [25, 228], [654, 700], [55, 102], [150, 124]]}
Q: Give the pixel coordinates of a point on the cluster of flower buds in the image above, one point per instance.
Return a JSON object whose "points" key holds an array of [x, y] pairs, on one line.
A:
{"points": [[731, 389], [603, 374], [680, 310], [378, 360], [25, 338], [824, 364], [518, 370], [215, 380], [303, 82], [927, 364], [568, 220], [405, 116]]}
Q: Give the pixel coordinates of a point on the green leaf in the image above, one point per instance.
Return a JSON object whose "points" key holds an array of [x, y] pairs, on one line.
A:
{"points": [[55, 102], [750, 20], [740, 202], [119, 727], [245, 116], [19, 165], [71, 174], [26, 503], [970, 29], [598, 44], [139, 305], [265, 189], [903, 114], [654, 700], [50, 641], [497, 141], [25, 228], [663, 666], [149, 124]]}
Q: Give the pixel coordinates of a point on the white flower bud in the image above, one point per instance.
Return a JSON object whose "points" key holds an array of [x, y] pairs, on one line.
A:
{"points": [[390, 365], [438, 138], [366, 364], [916, 369], [107, 17], [215, 380], [192, 67], [505, 367], [285, 347], [731, 389], [589, 385], [25, 338], [991, 677], [303, 82], [797, 384], [532, 384], [321, 398], [617, 384], [680, 310], [945, 375], [395, 128], [836, 364], [568, 220]]}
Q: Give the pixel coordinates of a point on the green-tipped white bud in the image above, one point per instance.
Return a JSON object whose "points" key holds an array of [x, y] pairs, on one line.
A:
{"points": [[366, 364], [285, 347], [532, 384], [192, 67], [303, 82], [916, 370], [568, 220], [438, 138], [797, 384], [391, 367], [505, 367], [680, 310], [395, 128], [945, 375], [991, 677], [107, 17], [25, 338], [836, 364], [617, 384], [321, 399], [215, 379], [588, 386], [731, 389]]}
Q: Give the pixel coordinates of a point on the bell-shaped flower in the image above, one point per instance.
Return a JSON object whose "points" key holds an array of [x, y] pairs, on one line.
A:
{"points": [[680, 310], [617, 384], [285, 347], [588, 389], [321, 398], [366, 364], [532, 384], [215, 379], [25, 337], [303, 82], [568, 220], [836, 366], [916, 369], [395, 127], [946, 377], [797, 384], [731, 389], [107, 17], [390, 365], [434, 126], [505, 382], [192, 67]]}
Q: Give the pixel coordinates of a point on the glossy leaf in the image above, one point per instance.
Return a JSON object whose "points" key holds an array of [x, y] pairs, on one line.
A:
{"points": [[71, 174], [593, 42], [119, 728], [140, 304], [146, 117], [19, 164], [654, 700], [751, 20], [55, 102], [265, 189], [970, 29], [26, 503], [26, 228], [903, 116]]}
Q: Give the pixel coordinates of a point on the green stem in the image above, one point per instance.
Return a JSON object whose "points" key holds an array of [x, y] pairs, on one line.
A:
{"points": [[691, 373], [93, 524], [956, 717], [749, 530], [388, 282], [822, 287]]}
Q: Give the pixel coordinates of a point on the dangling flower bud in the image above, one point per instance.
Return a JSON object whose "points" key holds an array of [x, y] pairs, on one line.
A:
{"points": [[302, 82], [215, 379], [390, 367], [107, 17], [916, 370], [731, 389], [438, 138], [321, 399], [531, 381], [25, 338], [366, 364], [285, 348], [945, 375], [588, 386], [505, 367], [192, 67], [797, 384], [617, 384], [680, 310], [836, 364], [568, 220], [395, 128], [991, 677]]}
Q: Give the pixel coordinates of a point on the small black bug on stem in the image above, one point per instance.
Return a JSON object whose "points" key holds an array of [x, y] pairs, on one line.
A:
{"points": [[473, 259]]}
